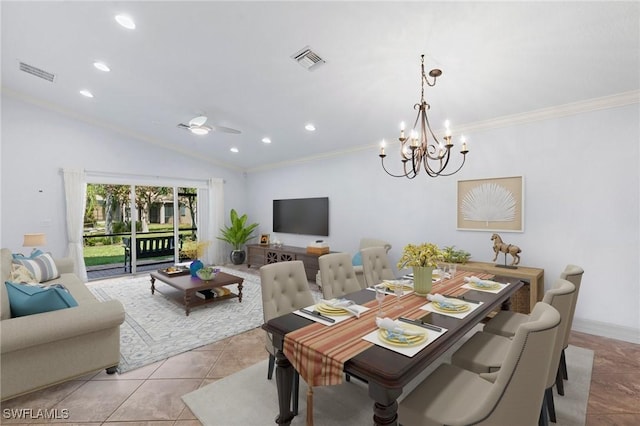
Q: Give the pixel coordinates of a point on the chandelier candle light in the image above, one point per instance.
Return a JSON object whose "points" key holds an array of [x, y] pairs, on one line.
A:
{"points": [[417, 150]]}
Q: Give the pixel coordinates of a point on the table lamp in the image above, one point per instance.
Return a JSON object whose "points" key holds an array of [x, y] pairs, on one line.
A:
{"points": [[34, 240]]}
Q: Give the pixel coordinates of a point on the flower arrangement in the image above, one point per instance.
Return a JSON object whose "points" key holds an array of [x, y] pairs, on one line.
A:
{"points": [[194, 250], [426, 254]]}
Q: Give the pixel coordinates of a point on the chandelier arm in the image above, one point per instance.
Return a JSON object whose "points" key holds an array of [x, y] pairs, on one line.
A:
{"points": [[389, 173], [464, 158]]}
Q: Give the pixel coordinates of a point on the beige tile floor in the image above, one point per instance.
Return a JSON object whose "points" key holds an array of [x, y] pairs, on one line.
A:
{"points": [[152, 395]]}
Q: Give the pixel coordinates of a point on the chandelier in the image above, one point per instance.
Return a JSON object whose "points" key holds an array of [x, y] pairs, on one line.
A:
{"points": [[422, 150]]}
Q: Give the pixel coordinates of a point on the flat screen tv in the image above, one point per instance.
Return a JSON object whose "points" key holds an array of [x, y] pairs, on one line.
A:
{"points": [[307, 216]]}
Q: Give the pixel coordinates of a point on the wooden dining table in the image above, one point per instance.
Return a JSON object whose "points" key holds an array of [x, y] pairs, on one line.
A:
{"points": [[387, 372]]}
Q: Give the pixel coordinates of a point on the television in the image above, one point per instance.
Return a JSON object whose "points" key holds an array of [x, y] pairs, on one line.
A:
{"points": [[308, 216]]}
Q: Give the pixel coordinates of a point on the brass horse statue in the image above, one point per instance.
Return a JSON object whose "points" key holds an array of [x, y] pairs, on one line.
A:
{"points": [[500, 246]]}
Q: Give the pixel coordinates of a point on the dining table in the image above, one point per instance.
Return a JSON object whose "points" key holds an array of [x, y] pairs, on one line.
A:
{"points": [[386, 371]]}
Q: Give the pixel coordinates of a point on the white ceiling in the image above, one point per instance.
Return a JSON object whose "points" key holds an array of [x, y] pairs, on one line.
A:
{"points": [[232, 62]]}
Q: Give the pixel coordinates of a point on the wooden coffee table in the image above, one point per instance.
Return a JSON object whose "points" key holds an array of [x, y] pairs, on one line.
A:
{"points": [[188, 286]]}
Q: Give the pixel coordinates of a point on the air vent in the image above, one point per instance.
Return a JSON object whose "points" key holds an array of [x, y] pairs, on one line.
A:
{"points": [[30, 69], [307, 58]]}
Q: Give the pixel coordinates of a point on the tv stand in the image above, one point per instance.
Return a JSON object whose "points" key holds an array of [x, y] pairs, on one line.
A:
{"points": [[264, 254]]}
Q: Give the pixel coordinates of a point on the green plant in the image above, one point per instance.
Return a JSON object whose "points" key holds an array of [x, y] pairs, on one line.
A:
{"points": [[238, 233], [452, 255], [426, 254]]}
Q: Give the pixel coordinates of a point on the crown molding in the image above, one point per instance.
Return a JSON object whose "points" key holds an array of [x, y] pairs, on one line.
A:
{"points": [[581, 107], [117, 129]]}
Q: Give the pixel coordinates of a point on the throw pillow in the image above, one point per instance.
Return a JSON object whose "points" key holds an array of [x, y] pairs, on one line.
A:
{"points": [[357, 259], [35, 253], [42, 267], [29, 300], [20, 274]]}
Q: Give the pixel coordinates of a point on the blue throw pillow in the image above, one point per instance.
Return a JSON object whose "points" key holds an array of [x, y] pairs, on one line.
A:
{"points": [[35, 253], [357, 259], [30, 299]]}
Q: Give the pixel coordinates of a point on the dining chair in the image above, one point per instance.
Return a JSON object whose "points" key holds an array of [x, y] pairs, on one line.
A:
{"points": [[357, 259], [452, 395], [284, 289], [486, 352], [337, 275], [506, 322], [376, 266]]}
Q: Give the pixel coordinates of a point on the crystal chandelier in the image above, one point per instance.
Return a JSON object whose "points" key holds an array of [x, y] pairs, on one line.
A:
{"points": [[421, 150]]}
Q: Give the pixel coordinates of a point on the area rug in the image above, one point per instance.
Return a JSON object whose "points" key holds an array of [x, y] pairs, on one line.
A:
{"points": [[349, 403], [157, 328]]}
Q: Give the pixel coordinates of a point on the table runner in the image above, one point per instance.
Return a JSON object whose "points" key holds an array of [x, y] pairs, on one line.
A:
{"points": [[319, 352]]}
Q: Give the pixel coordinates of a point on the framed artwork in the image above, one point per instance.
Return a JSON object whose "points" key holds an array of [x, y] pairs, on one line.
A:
{"points": [[493, 204], [264, 239]]}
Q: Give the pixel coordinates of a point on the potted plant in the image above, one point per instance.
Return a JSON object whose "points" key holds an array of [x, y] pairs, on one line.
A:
{"points": [[451, 255], [423, 259], [237, 235]]}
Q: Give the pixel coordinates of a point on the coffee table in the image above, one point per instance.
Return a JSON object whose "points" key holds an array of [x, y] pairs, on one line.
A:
{"points": [[188, 286]]}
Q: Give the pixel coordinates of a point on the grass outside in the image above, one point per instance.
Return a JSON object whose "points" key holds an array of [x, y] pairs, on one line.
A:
{"points": [[114, 253]]}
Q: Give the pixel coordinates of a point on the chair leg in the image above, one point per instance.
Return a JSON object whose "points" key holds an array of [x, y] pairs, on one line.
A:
{"points": [[559, 382], [294, 393], [347, 377], [542, 419], [270, 368], [551, 407], [563, 366]]}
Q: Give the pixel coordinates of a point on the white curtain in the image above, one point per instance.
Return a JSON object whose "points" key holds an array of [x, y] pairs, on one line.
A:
{"points": [[211, 219], [75, 188]]}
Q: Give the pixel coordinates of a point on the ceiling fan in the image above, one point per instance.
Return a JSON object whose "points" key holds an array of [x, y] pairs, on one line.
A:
{"points": [[197, 126]]}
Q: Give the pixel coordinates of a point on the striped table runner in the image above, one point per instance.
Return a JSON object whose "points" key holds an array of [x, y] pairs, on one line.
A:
{"points": [[318, 352]]}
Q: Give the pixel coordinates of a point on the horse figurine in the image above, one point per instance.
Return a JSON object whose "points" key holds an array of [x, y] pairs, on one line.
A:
{"points": [[500, 246]]}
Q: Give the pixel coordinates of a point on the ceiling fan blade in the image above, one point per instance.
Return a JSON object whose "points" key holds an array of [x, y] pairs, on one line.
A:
{"points": [[198, 121], [225, 130]]}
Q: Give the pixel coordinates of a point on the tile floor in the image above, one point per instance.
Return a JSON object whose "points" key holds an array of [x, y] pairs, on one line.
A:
{"points": [[151, 396]]}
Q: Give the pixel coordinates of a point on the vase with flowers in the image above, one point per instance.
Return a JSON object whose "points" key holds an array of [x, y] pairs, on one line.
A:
{"points": [[198, 253], [423, 258]]}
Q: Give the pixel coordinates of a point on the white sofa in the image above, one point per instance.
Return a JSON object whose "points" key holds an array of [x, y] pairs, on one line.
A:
{"points": [[44, 349]]}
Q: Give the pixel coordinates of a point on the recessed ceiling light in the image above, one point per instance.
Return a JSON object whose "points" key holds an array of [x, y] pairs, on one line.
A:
{"points": [[310, 127], [234, 149], [199, 130], [266, 140], [86, 93], [101, 66], [126, 21]]}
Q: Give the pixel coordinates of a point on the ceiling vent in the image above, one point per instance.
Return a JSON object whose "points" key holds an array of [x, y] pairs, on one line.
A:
{"points": [[30, 69], [307, 58]]}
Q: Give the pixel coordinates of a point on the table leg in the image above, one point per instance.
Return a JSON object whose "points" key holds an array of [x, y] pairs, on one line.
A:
{"points": [[385, 407], [284, 379], [187, 301], [240, 292], [153, 287]]}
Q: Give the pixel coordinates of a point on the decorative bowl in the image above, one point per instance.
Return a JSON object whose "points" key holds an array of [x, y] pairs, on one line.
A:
{"points": [[206, 273]]}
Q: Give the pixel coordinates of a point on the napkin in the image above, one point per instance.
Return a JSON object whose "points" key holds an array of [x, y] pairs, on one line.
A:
{"points": [[442, 301], [396, 327], [478, 281], [347, 305]]}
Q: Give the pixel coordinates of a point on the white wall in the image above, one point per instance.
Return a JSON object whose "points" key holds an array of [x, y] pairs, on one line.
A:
{"points": [[38, 142], [581, 205]]}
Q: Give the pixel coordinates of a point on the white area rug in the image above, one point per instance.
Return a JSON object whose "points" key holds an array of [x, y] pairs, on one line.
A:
{"points": [[348, 403], [157, 328]]}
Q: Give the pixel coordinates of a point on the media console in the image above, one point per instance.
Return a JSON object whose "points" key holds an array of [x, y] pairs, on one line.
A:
{"points": [[263, 254]]}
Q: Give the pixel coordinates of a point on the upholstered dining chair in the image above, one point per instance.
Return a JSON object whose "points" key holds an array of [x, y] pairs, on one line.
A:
{"points": [[284, 289], [376, 266], [486, 352], [357, 259], [454, 396], [506, 322], [337, 275]]}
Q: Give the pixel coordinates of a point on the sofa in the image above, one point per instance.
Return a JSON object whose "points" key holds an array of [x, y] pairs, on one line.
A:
{"points": [[43, 349]]}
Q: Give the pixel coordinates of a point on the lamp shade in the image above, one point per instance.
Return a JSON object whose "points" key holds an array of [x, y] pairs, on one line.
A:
{"points": [[34, 240]]}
